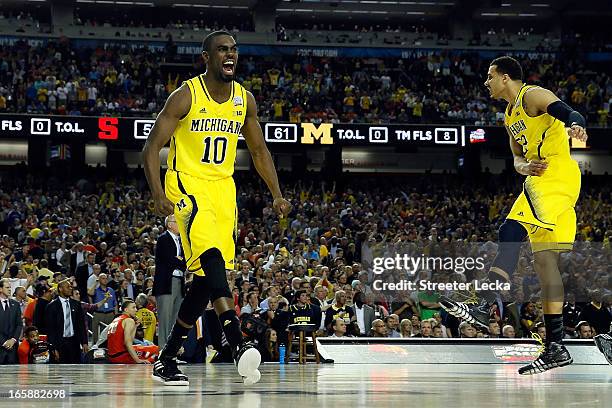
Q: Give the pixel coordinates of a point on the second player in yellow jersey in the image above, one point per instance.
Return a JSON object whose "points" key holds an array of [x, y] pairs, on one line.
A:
{"points": [[546, 205], [536, 121]]}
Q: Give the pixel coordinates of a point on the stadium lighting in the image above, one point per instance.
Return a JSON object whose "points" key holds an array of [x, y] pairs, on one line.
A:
{"points": [[118, 2], [209, 6]]}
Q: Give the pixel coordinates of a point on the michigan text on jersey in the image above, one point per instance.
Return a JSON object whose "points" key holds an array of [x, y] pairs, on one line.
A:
{"points": [[215, 125]]}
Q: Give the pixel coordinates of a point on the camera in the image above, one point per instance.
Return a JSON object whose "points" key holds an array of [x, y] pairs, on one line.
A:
{"points": [[254, 326]]}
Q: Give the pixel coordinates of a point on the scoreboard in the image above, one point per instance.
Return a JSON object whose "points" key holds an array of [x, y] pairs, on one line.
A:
{"points": [[133, 132], [136, 131]]}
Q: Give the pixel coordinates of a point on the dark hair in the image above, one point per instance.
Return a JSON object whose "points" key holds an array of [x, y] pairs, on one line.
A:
{"points": [[272, 348], [297, 295], [44, 263], [41, 288], [29, 330], [210, 37], [510, 66], [13, 270], [126, 302]]}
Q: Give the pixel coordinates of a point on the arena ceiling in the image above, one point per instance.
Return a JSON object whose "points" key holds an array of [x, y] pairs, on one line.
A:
{"points": [[424, 8]]}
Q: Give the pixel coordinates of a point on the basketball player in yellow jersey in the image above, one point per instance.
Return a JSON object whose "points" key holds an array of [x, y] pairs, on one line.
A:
{"points": [[202, 121], [537, 122]]}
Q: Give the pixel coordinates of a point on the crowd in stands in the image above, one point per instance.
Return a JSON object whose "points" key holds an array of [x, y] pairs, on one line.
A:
{"points": [[440, 88], [29, 18], [178, 19], [319, 258]]}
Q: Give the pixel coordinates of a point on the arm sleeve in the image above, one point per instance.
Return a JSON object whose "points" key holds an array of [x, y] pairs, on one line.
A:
{"points": [[562, 111]]}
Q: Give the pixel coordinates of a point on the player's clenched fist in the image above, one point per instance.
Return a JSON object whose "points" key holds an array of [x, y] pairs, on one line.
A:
{"points": [[282, 207], [578, 132], [163, 206], [533, 168]]}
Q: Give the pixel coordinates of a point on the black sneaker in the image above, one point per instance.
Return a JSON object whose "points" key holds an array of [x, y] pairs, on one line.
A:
{"points": [[554, 355], [604, 344], [475, 312], [247, 359], [167, 372]]}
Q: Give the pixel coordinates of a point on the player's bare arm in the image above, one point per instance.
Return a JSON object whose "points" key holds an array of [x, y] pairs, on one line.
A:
{"points": [[521, 164], [176, 107], [129, 332], [537, 101], [261, 156]]}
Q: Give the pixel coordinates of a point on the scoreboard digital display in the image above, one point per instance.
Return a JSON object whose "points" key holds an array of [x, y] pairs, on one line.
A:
{"points": [[137, 130], [364, 134], [134, 131]]}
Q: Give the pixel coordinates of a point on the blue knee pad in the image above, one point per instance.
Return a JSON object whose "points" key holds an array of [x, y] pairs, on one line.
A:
{"points": [[511, 237]]}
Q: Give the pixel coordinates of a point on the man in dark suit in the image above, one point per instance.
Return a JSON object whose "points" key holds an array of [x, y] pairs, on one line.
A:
{"points": [[11, 324], [84, 271], [66, 326], [245, 274], [169, 283], [77, 256]]}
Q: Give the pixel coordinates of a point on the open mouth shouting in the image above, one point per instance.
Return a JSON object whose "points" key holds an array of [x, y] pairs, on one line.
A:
{"points": [[229, 67]]}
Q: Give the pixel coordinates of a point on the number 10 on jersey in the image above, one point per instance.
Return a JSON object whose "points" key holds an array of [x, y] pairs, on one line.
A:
{"points": [[214, 149]]}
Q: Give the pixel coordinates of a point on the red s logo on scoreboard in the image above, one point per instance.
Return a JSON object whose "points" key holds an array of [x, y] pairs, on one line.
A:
{"points": [[109, 129]]}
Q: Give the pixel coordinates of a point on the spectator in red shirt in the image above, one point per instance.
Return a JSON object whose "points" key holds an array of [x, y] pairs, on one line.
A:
{"points": [[29, 351]]}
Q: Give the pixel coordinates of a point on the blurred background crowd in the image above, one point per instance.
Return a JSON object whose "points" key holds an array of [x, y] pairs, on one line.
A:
{"points": [[443, 87], [99, 232]]}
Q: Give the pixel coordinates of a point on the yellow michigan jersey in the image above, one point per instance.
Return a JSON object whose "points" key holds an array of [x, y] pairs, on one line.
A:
{"points": [[200, 168], [546, 205], [149, 322]]}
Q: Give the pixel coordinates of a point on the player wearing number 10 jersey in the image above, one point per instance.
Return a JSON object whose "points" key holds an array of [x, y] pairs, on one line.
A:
{"points": [[202, 121], [200, 167]]}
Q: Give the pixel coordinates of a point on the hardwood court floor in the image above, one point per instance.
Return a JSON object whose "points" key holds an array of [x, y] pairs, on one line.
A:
{"points": [[294, 386]]}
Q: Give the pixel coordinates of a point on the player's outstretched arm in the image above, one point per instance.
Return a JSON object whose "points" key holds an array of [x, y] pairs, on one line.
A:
{"points": [[261, 156], [176, 107], [537, 101]]}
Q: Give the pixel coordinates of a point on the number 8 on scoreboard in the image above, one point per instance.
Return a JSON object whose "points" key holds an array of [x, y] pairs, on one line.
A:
{"points": [[446, 136]]}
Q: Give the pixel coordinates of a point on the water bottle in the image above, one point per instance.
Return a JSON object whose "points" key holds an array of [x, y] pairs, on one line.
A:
{"points": [[281, 353]]}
